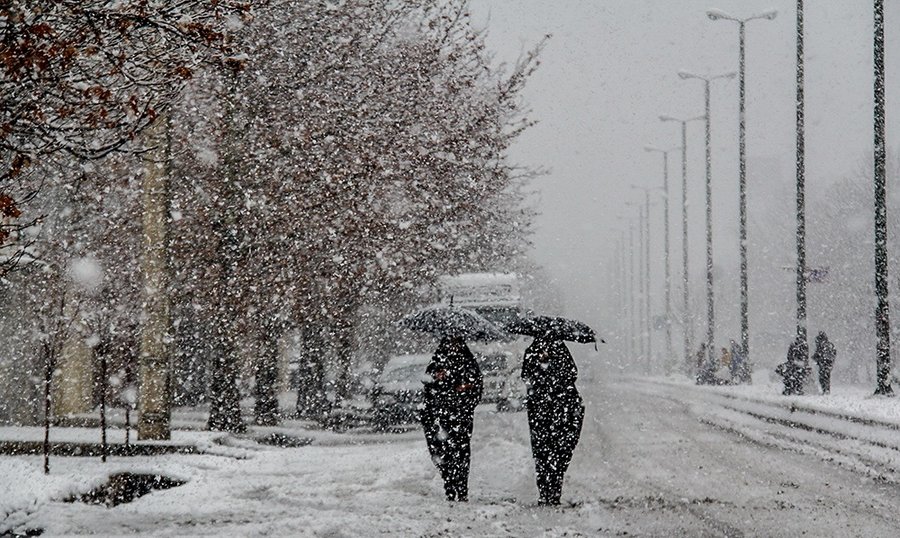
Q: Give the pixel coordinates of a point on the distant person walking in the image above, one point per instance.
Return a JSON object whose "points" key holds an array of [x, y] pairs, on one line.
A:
{"points": [[555, 413], [450, 398], [794, 369], [824, 359], [706, 368]]}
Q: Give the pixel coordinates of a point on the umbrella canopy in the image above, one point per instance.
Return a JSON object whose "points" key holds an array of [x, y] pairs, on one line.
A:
{"points": [[452, 321], [555, 328]]}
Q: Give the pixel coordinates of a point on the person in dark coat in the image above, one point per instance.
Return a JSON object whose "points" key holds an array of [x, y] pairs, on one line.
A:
{"points": [[450, 398], [555, 413], [794, 369], [706, 368], [740, 372], [824, 359]]}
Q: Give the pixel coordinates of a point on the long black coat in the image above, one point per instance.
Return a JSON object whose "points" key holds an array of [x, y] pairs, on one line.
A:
{"points": [[555, 413], [451, 395]]}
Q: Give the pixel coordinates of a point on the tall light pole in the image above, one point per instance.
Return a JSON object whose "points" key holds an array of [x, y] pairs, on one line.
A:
{"points": [[716, 15], [710, 311], [882, 314], [688, 332], [639, 295], [622, 285], [632, 306], [668, 281], [645, 244], [801, 196]]}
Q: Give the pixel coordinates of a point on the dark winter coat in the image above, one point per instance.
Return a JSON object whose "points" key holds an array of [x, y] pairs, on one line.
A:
{"points": [[825, 353], [824, 359], [555, 413], [450, 397], [794, 369], [456, 382]]}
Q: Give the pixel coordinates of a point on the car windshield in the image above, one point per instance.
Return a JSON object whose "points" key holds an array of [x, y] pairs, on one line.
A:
{"points": [[404, 373], [492, 363]]}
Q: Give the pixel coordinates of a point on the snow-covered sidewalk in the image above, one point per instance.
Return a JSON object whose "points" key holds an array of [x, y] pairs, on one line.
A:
{"points": [[658, 457]]}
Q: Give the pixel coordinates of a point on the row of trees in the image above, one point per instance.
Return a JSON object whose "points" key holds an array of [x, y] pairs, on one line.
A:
{"points": [[319, 180]]}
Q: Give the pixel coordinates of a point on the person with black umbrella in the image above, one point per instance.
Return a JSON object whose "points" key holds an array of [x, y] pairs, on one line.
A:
{"points": [[555, 408], [450, 398], [453, 389]]}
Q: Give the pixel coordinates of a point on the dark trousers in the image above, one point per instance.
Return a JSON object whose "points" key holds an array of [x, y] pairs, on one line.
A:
{"points": [[555, 424], [825, 379], [448, 435]]}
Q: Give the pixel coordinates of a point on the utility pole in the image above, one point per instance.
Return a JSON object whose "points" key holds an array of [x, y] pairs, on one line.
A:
{"points": [[687, 326], [668, 280], [632, 308], [801, 216], [645, 246], [742, 168], [710, 304], [883, 311], [647, 282]]}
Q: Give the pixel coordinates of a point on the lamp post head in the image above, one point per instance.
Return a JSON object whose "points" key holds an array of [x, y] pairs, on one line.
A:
{"points": [[715, 15], [719, 15], [666, 117]]}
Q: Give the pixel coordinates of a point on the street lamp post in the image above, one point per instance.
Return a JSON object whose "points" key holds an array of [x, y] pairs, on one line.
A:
{"points": [[645, 244], [622, 285], [668, 282], [688, 333], [742, 167], [801, 196], [710, 311], [632, 307], [638, 298], [882, 314]]}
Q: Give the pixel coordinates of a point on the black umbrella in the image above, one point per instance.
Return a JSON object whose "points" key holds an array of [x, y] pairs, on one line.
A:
{"points": [[555, 328], [452, 321]]}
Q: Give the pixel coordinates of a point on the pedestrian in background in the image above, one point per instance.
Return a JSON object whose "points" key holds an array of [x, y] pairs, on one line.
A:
{"points": [[824, 358], [794, 369]]}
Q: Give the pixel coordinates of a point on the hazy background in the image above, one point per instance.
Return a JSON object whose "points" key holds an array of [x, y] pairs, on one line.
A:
{"points": [[609, 71]]}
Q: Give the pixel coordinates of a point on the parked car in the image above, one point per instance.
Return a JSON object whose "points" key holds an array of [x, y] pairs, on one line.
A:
{"points": [[399, 390], [494, 368], [502, 381], [512, 397]]}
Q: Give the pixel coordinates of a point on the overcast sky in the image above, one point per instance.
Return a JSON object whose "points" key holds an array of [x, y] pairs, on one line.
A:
{"points": [[609, 71]]}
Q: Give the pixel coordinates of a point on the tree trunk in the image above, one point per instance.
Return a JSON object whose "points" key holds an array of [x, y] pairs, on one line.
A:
{"points": [[310, 381], [73, 376], [155, 398], [266, 411], [225, 402], [224, 397], [344, 341]]}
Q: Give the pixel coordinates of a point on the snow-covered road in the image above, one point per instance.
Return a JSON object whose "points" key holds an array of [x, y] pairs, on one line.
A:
{"points": [[653, 461]]}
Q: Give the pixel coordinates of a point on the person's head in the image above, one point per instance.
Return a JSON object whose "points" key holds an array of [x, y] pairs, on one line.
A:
{"points": [[451, 343]]}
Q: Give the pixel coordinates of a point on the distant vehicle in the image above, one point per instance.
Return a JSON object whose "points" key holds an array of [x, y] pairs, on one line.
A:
{"points": [[497, 298], [398, 392], [501, 380]]}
